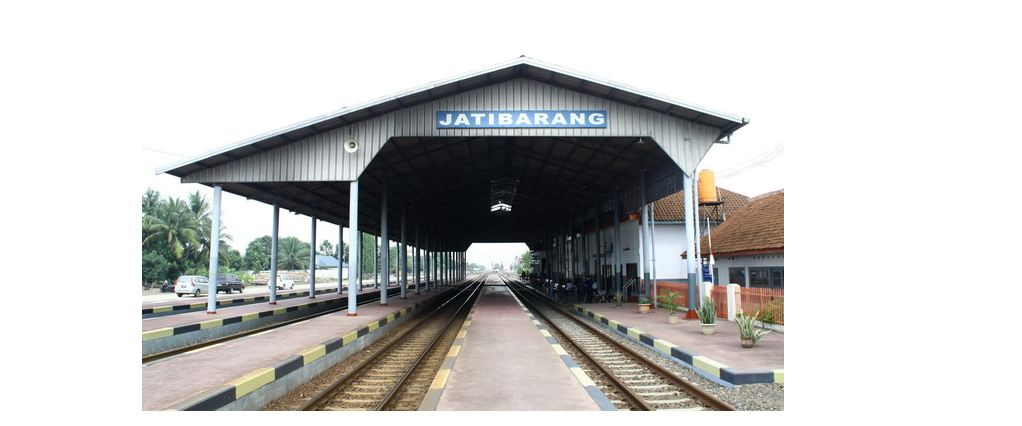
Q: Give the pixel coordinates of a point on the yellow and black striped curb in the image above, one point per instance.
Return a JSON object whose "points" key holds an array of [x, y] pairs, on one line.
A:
{"points": [[160, 333], [246, 384], [183, 308], [436, 388], [594, 391], [701, 364]]}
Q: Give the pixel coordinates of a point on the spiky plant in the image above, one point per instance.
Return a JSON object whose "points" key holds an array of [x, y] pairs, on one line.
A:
{"points": [[747, 328], [707, 311]]}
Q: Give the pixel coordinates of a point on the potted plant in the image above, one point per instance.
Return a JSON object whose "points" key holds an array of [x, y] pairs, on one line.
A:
{"points": [[707, 315], [667, 301], [643, 304], [620, 295], [748, 334]]}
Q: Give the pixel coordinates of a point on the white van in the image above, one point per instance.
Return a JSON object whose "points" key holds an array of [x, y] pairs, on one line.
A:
{"points": [[191, 284]]}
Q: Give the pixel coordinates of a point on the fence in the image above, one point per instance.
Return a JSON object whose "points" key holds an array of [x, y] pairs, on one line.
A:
{"points": [[753, 298]]}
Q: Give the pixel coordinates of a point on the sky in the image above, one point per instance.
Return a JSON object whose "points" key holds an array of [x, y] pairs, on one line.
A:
{"points": [[219, 88], [895, 119]]}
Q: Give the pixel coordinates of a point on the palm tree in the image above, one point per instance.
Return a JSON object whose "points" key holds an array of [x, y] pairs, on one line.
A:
{"points": [[292, 254], [150, 201], [200, 209], [172, 223]]}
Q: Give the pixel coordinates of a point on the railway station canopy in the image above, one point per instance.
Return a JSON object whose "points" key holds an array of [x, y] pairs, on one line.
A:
{"points": [[509, 153]]}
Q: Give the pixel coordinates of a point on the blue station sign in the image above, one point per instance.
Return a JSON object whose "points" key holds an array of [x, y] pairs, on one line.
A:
{"points": [[521, 119]]}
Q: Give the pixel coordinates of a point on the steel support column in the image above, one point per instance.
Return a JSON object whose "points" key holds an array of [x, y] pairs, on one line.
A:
{"points": [[273, 253], [376, 262], [340, 257], [415, 261], [616, 210], [690, 236], [214, 252], [312, 261], [384, 246], [402, 256], [354, 250], [645, 235]]}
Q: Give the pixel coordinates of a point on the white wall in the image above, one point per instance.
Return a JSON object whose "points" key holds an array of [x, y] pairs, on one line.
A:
{"points": [[669, 243], [725, 262]]}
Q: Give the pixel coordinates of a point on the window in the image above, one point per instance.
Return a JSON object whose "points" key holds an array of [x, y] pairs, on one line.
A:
{"points": [[716, 276], [737, 276], [777, 277], [759, 277]]}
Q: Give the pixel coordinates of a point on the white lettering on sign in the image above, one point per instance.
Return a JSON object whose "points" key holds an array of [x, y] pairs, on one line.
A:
{"points": [[521, 119]]}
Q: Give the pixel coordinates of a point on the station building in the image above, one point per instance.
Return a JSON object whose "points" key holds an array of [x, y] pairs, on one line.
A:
{"points": [[524, 151], [749, 247]]}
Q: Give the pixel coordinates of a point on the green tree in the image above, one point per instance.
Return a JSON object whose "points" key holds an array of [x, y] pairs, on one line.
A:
{"points": [[202, 213], [230, 259], [367, 254], [327, 249], [155, 267], [150, 201], [257, 254], [172, 224], [293, 254]]}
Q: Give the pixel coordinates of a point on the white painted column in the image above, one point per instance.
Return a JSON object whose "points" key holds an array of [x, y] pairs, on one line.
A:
{"points": [[415, 261], [273, 253], [312, 261], [354, 249], [214, 252], [384, 247], [402, 256], [340, 257], [734, 301], [693, 279]]}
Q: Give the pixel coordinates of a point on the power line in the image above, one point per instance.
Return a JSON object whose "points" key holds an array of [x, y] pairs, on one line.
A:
{"points": [[162, 152], [755, 162]]}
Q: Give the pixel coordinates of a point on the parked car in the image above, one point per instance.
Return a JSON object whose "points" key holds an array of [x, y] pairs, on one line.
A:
{"points": [[194, 285], [228, 283], [283, 283]]}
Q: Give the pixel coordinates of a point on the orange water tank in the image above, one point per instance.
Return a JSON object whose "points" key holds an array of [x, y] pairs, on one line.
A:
{"points": [[707, 187]]}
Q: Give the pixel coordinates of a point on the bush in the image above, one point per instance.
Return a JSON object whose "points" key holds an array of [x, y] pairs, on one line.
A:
{"points": [[773, 312]]}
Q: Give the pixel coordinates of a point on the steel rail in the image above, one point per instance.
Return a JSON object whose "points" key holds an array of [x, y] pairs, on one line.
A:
{"points": [[415, 364], [710, 400], [632, 399], [320, 398]]}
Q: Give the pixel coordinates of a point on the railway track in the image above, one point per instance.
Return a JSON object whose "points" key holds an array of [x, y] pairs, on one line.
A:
{"points": [[399, 374], [639, 384], [167, 354]]}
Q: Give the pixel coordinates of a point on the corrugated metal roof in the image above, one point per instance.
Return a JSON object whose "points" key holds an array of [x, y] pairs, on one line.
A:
{"points": [[520, 67]]}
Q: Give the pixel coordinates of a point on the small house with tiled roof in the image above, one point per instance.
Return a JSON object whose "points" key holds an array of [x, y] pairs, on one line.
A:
{"points": [[749, 247]]}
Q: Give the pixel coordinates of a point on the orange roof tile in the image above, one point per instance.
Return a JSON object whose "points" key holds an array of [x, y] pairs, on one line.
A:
{"points": [[757, 226], [672, 207]]}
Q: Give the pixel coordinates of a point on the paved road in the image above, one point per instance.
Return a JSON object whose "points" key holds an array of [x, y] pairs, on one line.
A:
{"points": [[249, 291]]}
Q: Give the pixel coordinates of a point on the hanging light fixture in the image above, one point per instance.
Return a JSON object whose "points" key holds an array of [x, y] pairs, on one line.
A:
{"points": [[502, 194]]}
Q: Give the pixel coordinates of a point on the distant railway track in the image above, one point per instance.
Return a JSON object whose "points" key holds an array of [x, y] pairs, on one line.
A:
{"points": [[207, 343], [398, 375], [622, 373]]}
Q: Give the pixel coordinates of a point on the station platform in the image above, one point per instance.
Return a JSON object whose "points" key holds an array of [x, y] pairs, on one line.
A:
{"points": [[254, 294], [165, 333], [249, 372], [718, 356], [506, 363]]}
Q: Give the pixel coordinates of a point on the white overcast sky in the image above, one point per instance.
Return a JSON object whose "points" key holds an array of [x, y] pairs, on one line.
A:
{"points": [[270, 68], [898, 122]]}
